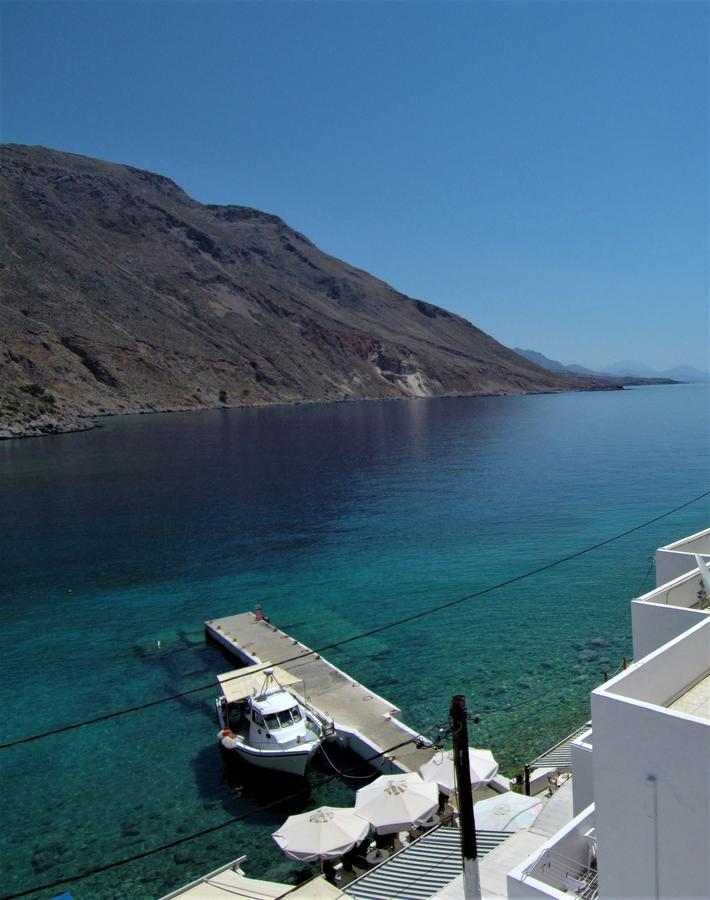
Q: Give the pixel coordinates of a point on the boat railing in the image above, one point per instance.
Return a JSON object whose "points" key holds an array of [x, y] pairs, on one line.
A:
{"points": [[327, 726]]}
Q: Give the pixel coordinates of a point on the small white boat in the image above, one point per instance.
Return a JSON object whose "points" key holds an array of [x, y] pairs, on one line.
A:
{"points": [[266, 723]]}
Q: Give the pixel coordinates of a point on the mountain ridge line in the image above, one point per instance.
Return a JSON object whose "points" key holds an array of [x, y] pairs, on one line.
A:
{"points": [[121, 294]]}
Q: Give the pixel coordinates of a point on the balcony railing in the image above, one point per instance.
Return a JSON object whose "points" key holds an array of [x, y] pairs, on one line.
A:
{"points": [[567, 875]]}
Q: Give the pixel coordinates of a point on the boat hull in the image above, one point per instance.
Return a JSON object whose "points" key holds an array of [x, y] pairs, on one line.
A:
{"points": [[291, 762]]}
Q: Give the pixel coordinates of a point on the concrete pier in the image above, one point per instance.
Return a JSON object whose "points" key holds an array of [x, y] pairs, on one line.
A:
{"points": [[364, 722]]}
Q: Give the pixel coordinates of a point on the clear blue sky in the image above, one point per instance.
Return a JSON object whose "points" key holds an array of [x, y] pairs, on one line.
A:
{"points": [[539, 167]]}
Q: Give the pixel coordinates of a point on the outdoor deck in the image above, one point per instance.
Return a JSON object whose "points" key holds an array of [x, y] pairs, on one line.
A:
{"points": [[364, 721], [696, 700]]}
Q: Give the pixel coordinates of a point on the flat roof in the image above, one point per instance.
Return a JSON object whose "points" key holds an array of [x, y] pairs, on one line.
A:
{"points": [[274, 703], [228, 882], [242, 683], [232, 884]]}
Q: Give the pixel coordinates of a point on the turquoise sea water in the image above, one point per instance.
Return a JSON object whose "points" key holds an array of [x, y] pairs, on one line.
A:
{"points": [[335, 518]]}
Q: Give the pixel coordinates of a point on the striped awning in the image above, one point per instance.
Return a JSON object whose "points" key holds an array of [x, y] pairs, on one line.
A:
{"points": [[560, 756], [423, 868]]}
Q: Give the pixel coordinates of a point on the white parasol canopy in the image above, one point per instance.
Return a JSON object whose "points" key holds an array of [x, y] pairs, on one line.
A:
{"points": [[440, 769], [395, 802], [507, 812], [324, 833]]}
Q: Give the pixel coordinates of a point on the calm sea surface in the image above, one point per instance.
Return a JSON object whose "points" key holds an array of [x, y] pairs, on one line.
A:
{"points": [[335, 518]]}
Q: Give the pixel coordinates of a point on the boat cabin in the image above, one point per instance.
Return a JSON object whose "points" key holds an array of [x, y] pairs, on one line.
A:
{"points": [[257, 703], [275, 716]]}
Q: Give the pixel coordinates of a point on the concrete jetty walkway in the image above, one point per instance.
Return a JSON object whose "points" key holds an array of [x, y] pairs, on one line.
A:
{"points": [[364, 721]]}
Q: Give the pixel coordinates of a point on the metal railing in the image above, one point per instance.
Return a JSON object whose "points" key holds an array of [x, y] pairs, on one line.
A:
{"points": [[565, 874], [559, 757], [234, 865]]}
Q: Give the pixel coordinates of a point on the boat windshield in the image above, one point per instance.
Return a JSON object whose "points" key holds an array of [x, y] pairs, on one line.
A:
{"points": [[284, 718]]}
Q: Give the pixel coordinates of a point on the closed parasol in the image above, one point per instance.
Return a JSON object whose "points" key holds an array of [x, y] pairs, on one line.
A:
{"points": [[440, 769]]}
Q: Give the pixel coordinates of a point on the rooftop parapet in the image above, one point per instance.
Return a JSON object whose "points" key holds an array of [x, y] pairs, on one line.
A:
{"points": [[664, 675], [678, 558], [581, 751], [669, 610], [651, 776], [563, 866]]}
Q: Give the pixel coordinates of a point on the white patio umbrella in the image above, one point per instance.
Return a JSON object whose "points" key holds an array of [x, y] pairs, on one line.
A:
{"points": [[440, 769], [324, 833], [395, 802], [507, 812]]}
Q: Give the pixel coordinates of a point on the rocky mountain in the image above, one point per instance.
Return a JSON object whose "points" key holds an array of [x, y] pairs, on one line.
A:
{"points": [[687, 373], [625, 373], [630, 367], [638, 369], [552, 365], [122, 294]]}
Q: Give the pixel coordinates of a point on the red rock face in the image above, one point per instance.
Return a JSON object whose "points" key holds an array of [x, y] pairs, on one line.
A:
{"points": [[120, 293]]}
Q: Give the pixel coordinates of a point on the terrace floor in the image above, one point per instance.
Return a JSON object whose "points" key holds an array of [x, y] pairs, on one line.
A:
{"points": [[696, 700]]}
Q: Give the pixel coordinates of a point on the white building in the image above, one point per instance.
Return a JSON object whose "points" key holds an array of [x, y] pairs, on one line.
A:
{"points": [[678, 558], [641, 774], [637, 823], [668, 611]]}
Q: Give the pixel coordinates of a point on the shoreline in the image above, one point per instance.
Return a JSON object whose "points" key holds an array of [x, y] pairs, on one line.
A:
{"points": [[81, 422]]}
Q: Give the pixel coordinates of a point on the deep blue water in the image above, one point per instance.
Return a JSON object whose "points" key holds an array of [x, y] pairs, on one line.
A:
{"points": [[335, 518]]}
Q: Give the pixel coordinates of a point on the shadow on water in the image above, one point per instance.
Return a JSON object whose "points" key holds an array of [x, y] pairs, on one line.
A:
{"points": [[268, 797], [240, 788], [335, 760], [186, 664]]}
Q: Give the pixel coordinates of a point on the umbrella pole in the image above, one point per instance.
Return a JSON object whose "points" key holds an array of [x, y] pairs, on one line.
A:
{"points": [[467, 822]]}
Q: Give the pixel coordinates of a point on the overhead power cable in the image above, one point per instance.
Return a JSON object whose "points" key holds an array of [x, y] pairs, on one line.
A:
{"points": [[97, 870], [651, 561], [358, 637]]}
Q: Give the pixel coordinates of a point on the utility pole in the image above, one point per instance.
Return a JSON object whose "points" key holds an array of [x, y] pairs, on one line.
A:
{"points": [[467, 823]]}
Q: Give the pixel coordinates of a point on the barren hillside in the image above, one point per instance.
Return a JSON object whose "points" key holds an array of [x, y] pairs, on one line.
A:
{"points": [[121, 294]]}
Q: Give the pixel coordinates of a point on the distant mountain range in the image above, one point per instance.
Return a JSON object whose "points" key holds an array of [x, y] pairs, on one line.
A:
{"points": [[122, 294], [623, 369]]}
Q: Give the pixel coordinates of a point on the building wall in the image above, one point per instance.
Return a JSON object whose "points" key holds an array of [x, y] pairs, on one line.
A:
{"points": [[570, 848], [651, 772], [582, 773], [672, 564], [521, 890], [654, 624]]}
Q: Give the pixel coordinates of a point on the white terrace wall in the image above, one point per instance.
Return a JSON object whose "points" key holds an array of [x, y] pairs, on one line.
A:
{"points": [[664, 613], [519, 889], [581, 751], [653, 625], [677, 558], [651, 770], [570, 843]]}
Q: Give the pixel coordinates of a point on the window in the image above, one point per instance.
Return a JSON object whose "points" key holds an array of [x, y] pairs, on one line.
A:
{"points": [[272, 722], [290, 716], [258, 719]]}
